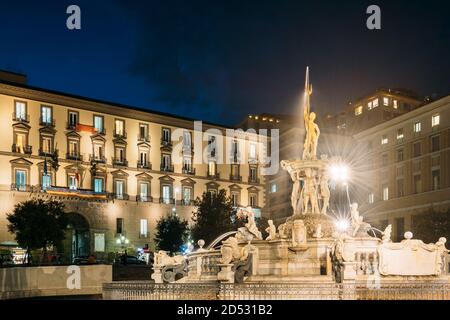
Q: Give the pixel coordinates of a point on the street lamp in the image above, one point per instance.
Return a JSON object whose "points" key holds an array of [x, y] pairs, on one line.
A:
{"points": [[123, 242], [340, 173]]}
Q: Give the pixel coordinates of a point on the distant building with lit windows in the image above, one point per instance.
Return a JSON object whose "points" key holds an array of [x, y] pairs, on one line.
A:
{"points": [[111, 165], [408, 167]]}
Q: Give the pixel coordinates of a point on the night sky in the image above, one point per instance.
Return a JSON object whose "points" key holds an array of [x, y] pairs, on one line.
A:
{"points": [[220, 60]]}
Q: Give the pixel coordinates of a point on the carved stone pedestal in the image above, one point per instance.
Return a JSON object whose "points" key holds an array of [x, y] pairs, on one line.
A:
{"points": [[349, 271], [157, 275], [226, 274]]}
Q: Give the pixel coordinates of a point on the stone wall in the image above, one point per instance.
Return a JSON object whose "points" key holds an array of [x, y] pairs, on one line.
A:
{"points": [[25, 282]]}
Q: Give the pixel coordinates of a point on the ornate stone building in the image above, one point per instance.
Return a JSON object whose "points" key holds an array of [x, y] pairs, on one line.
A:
{"points": [[118, 169]]}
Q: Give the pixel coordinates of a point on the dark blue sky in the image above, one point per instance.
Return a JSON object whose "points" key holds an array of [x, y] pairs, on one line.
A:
{"points": [[219, 60]]}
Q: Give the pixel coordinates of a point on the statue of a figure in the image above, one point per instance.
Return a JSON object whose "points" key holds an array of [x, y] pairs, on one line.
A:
{"points": [[271, 230], [312, 129], [282, 231], [357, 220], [230, 251], [310, 192], [318, 232], [325, 192], [295, 195], [387, 234], [250, 225]]}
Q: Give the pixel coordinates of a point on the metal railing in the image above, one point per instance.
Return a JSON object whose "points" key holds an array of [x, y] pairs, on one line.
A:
{"points": [[147, 290], [144, 165], [74, 156], [120, 162], [46, 122], [167, 168], [21, 117], [96, 158], [24, 149]]}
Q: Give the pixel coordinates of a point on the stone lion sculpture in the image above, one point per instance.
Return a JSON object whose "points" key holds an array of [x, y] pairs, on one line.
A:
{"points": [[163, 259], [230, 251]]}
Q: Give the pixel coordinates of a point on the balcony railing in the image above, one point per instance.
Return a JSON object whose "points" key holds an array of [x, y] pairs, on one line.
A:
{"points": [[25, 118], [81, 193], [96, 158], [119, 162], [71, 126], [190, 171], [21, 187], [144, 165], [46, 153], [235, 177], [167, 168], [121, 196], [185, 202], [122, 134], [145, 138], [46, 122], [74, 156], [24, 149], [102, 131], [144, 198], [253, 180], [213, 175], [166, 143], [166, 200]]}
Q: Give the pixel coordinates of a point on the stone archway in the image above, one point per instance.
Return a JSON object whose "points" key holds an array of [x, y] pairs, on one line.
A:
{"points": [[77, 241]]}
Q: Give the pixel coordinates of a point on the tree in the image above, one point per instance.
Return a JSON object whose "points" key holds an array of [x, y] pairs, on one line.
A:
{"points": [[38, 224], [171, 233], [214, 215], [430, 226]]}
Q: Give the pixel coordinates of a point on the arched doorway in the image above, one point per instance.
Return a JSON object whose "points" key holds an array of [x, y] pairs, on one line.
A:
{"points": [[77, 241]]}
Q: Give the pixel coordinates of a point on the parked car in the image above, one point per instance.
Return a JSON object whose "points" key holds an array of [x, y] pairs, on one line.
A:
{"points": [[132, 260]]}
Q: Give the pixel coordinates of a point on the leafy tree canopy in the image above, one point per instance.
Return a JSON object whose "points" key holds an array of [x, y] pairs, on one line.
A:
{"points": [[171, 233], [429, 227]]}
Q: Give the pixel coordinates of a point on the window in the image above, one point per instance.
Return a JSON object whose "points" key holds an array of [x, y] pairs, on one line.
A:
{"points": [[435, 143], [400, 223], [98, 123], [187, 139], [143, 228], [166, 135], [375, 103], [212, 168], [165, 162], [371, 198], [417, 126], [370, 105], [253, 174], [143, 156], [385, 101], [384, 139], [119, 226], [358, 110], [119, 154], [234, 170], [435, 179], [73, 185], [119, 126], [385, 192], [166, 194], [46, 181], [235, 199], [212, 146], [73, 119], [273, 188], [143, 131], [21, 180], [416, 149], [120, 186], [187, 164], [21, 110], [98, 185], [143, 191], [435, 119], [400, 188], [46, 145], [98, 151], [73, 148], [187, 192], [395, 104], [417, 183], [252, 151], [46, 115], [253, 200], [400, 134], [399, 155]]}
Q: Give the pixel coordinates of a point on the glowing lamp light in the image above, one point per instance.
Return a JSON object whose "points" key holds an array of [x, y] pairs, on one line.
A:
{"points": [[342, 225], [339, 172], [118, 241]]}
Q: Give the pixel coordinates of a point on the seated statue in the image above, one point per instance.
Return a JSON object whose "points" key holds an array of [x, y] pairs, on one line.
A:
{"points": [[271, 230]]}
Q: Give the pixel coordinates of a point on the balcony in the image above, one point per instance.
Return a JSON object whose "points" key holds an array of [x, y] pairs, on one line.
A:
{"points": [[71, 126], [119, 162], [189, 171], [120, 196], [79, 193], [101, 131], [46, 153], [213, 176], [144, 165], [21, 187], [187, 202], [166, 200], [166, 143], [143, 138], [235, 177], [74, 156], [23, 118], [24, 149], [97, 158], [144, 198], [167, 168], [253, 180], [120, 135], [47, 122]]}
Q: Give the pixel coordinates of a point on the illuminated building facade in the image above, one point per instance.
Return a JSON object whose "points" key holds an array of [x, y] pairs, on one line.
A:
{"points": [[113, 166]]}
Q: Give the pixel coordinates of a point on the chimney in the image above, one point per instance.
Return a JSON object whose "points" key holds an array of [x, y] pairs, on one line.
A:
{"points": [[12, 77]]}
